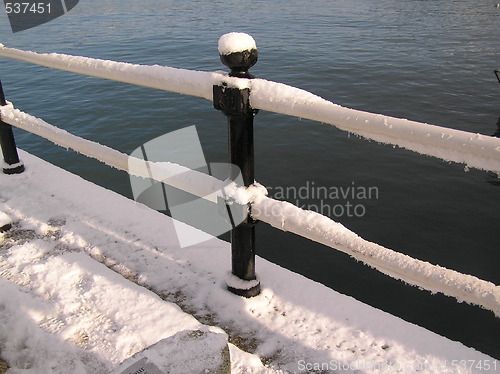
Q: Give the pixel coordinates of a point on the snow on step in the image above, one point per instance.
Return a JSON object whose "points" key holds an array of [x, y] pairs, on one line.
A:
{"points": [[74, 314]]}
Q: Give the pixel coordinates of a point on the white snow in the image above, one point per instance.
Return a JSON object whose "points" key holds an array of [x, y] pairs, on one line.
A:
{"points": [[209, 343], [223, 78], [63, 311], [236, 42], [244, 196], [4, 165], [46, 294], [240, 284]]}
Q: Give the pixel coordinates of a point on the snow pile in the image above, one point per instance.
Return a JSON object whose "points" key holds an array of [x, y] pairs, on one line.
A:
{"points": [[63, 312], [221, 78], [236, 42], [242, 195]]}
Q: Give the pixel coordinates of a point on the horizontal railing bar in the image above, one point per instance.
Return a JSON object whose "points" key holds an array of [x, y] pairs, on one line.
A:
{"points": [[279, 214], [321, 229], [188, 82], [474, 150], [183, 178]]}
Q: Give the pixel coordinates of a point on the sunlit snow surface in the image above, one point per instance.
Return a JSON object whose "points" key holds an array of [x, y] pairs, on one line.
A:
{"points": [[62, 310]]}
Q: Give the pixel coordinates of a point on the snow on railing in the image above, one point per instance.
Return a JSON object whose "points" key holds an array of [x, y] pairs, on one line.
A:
{"points": [[474, 150], [196, 183], [279, 214], [321, 229], [189, 82]]}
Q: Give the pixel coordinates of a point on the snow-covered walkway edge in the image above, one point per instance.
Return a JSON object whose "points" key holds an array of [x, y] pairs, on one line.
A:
{"points": [[62, 310]]}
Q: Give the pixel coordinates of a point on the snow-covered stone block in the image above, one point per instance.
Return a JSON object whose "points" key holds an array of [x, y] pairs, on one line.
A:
{"points": [[190, 351], [5, 222]]}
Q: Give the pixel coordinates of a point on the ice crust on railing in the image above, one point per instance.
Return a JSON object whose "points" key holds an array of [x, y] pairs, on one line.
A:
{"points": [[321, 229]]}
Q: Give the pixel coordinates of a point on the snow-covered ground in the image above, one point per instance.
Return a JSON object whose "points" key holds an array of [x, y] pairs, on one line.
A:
{"points": [[89, 278]]}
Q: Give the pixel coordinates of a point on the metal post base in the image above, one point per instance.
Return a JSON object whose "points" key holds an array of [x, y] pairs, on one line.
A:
{"points": [[18, 169], [242, 287], [254, 291]]}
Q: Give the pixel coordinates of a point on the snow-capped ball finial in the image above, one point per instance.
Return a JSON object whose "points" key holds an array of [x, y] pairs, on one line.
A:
{"points": [[236, 42], [238, 52]]}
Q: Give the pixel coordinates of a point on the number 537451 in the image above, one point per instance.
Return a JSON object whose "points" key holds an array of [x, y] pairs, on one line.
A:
{"points": [[26, 8]]}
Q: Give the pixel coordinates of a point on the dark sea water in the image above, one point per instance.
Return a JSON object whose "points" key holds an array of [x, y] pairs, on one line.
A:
{"points": [[430, 61]]}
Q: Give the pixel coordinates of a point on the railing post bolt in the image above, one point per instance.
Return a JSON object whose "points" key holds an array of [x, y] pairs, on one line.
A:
{"points": [[239, 53], [12, 164]]}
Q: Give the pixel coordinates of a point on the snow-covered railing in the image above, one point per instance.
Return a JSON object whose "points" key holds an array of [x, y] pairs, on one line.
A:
{"points": [[279, 214], [321, 229], [196, 183], [473, 149]]}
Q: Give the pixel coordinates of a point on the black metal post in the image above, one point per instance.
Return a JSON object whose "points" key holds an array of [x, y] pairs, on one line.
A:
{"points": [[8, 144], [235, 104]]}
